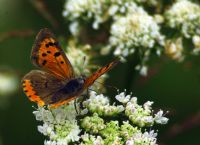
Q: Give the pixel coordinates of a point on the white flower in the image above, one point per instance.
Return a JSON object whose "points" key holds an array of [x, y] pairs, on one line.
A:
{"points": [[184, 15], [92, 139], [159, 118], [143, 69], [147, 105], [74, 28], [123, 98], [48, 142], [196, 42], [145, 138], [174, 49]]}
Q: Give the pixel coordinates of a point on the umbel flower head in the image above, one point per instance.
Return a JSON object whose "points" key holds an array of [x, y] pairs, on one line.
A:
{"points": [[184, 16], [114, 124], [97, 12], [135, 33]]}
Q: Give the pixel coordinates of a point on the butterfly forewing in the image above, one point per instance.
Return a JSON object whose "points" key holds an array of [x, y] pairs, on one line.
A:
{"points": [[48, 55], [90, 80]]}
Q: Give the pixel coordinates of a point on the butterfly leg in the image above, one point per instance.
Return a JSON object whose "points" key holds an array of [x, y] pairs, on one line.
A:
{"points": [[86, 96], [75, 106]]}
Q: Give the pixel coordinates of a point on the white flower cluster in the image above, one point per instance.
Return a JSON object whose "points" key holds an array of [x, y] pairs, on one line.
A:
{"points": [[132, 28], [100, 104], [98, 10], [85, 8], [137, 30], [62, 125], [59, 124], [91, 140], [140, 115], [184, 15], [145, 138]]}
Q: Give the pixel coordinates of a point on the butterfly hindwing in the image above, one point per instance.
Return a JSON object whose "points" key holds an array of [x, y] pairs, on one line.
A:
{"points": [[40, 86], [48, 55], [90, 80], [44, 89]]}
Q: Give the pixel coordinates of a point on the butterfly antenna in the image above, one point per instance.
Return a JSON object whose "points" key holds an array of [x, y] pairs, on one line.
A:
{"points": [[75, 106], [84, 63], [109, 86], [34, 108], [84, 60], [92, 90]]}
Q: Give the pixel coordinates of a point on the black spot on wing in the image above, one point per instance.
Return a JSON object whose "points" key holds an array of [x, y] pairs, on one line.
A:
{"points": [[51, 44], [44, 54], [57, 54], [44, 62], [46, 45]]}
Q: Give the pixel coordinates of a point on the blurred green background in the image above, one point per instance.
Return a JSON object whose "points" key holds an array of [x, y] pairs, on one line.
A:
{"points": [[172, 86]]}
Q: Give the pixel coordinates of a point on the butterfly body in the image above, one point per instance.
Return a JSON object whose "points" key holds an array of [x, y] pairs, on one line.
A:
{"points": [[55, 84], [73, 88]]}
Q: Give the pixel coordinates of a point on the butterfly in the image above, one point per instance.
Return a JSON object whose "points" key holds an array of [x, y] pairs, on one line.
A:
{"points": [[55, 83]]}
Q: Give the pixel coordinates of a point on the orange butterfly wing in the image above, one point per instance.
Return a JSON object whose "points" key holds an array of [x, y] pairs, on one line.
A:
{"points": [[90, 80], [48, 55], [30, 93], [40, 87]]}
